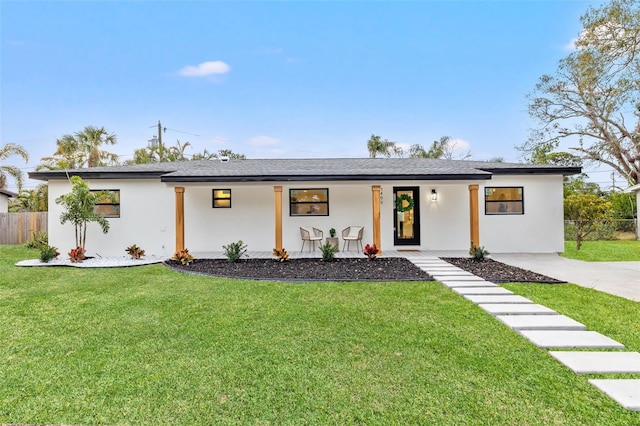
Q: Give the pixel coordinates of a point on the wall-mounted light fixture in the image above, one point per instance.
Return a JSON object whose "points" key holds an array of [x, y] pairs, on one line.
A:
{"points": [[434, 195]]}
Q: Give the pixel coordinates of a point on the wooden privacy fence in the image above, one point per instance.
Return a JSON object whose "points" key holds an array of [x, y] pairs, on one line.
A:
{"points": [[18, 228]]}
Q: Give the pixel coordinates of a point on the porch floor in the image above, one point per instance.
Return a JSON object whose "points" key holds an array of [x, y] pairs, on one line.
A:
{"points": [[409, 254]]}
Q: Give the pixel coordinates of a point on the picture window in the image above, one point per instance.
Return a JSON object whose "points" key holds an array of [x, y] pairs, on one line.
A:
{"points": [[503, 200], [107, 206], [309, 202]]}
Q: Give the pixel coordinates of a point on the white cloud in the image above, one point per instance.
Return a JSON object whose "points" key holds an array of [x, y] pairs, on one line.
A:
{"points": [[459, 145], [264, 141], [205, 69]]}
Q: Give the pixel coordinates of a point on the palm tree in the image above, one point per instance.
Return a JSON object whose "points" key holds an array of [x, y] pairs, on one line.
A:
{"points": [[375, 146], [438, 149], [6, 170], [176, 153], [67, 155], [90, 140]]}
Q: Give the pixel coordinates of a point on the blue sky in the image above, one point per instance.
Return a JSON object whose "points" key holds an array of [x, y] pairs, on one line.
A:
{"points": [[279, 79]]}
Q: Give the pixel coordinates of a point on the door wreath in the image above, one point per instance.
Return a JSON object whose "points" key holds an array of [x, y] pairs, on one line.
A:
{"points": [[400, 203]]}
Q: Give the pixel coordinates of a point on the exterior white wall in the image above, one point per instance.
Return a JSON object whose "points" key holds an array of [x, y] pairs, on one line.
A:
{"points": [[539, 230], [147, 216], [4, 203]]}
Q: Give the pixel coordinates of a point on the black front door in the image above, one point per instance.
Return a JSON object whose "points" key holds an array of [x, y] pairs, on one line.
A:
{"points": [[406, 209]]}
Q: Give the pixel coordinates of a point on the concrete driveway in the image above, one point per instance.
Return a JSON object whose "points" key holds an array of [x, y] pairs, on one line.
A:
{"points": [[618, 278]]}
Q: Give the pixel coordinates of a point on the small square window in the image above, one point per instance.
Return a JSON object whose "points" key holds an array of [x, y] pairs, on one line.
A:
{"points": [[221, 198]]}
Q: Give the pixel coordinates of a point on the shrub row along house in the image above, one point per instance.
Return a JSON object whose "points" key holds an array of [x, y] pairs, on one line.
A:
{"points": [[403, 203]]}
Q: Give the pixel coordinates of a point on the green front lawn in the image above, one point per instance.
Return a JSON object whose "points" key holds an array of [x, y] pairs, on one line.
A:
{"points": [[148, 345], [603, 251]]}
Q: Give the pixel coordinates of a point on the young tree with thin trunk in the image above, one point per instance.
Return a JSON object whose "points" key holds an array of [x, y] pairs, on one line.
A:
{"points": [[79, 209]]}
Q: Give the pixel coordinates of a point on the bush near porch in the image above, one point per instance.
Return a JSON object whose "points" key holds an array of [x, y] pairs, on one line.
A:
{"points": [[147, 345]]}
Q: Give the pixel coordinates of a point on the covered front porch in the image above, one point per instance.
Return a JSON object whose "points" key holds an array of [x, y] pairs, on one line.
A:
{"points": [[263, 217], [296, 254]]}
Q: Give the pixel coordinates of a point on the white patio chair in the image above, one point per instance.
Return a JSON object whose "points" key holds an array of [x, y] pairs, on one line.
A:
{"points": [[311, 235], [352, 233]]}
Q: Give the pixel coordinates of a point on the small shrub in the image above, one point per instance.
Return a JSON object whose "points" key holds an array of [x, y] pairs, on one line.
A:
{"points": [[135, 252], [478, 253], [183, 256], [328, 251], [281, 254], [47, 253], [371, 251], [332, 232], [235, 251], [77, 255], [38, 241]]}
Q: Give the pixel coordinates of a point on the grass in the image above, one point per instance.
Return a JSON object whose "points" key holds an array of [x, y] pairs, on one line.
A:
{"points": [[603, 251], [148, 345]]}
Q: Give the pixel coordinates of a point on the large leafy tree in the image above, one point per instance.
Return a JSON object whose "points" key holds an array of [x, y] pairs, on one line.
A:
{"points": [[7, 151], [79, 209], [593, 100]]}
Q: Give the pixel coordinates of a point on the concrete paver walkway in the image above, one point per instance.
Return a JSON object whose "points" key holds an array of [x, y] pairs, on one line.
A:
{"points": [[546, 328]]}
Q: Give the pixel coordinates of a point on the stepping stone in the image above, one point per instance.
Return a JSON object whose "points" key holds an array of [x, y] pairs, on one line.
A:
{"points": [[625, 392], [467, 284], [517, 309], [439, 268], [439, 276], [570, 339], [497, 298], [481, 290], [541, 322], [599, 362], [455, 272]]}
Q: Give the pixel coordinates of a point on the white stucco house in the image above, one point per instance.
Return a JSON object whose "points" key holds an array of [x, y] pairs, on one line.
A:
{"points": [[636, 189], [5, 194], [203, 205]]}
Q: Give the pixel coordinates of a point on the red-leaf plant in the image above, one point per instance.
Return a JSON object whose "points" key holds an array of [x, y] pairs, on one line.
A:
{"points": [[77, 255], [371, 251]]}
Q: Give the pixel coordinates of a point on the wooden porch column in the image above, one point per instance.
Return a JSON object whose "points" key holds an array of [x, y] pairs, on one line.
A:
{"points": [[277, 192], [375, 200], [179, 218], [473, 215]]}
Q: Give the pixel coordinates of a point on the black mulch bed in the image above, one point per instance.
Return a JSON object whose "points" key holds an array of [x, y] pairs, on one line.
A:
{"points": [[342, 269], [498, 272]]}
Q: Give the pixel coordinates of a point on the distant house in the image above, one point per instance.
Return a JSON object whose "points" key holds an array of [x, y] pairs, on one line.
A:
{"points": [[403, 204], [631, 190], [5, 194]]}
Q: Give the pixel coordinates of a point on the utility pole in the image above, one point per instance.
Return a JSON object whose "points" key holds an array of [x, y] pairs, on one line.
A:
{"points": [[160, 141]]}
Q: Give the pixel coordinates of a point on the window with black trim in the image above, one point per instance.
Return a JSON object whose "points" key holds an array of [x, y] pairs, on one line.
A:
{"points": [[108, 206], [309, 202], [221, 198], [503, 200]]}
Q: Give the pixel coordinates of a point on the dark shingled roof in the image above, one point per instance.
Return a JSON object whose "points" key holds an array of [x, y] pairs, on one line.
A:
{"points": [[8, 193], [309, 169]]}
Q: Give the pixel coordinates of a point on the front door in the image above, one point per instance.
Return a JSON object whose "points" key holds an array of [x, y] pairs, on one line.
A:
{"points": [[406, 209]]}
